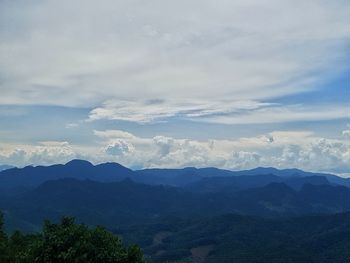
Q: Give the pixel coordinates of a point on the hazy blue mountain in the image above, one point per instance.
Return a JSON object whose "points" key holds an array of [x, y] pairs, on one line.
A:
{"points": [[274, 171], [294, 173], [201, 180], [30, 176], [5, 167], [179, 177], [107, 203], [338, 180], [298, 182], [241, 182], [187, 176], [127, 202], [326, 198]]}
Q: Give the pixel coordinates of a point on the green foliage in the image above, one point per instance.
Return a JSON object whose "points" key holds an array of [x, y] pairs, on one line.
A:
{"points": [[3, 240], [19, 247], [69, 242]]}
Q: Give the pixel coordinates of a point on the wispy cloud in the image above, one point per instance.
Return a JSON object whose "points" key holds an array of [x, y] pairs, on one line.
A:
{"points": [[153, 62], [161, 110], [232, 50], [283, 114], [222, 112]]}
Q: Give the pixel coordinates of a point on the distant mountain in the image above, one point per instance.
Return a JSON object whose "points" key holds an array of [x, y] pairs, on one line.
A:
{"points": [[5, 167], [181, 214], [241, 182], [106, 204], [179, 177], [326, 198], [201, 180], [190, 175], [294, 173], [274, 171], [298, 182], [30, 176], [127, 202]]}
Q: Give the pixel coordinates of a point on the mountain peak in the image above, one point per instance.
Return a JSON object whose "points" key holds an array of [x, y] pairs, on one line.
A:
{"points": [[79, 163]]}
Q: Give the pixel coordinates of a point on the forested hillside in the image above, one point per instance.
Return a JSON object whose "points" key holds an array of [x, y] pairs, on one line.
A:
{"points": [[233, 238], [66, 242]]}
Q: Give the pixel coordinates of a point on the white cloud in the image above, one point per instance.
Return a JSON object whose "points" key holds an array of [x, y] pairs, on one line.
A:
{"points": [[158, 110], [281, 149], [136, 52], [114, 134], [119, 147], [55, 144], [71, 125], [282, 114], [224, 112], [346, 133], [244, 160], [44, 153]]}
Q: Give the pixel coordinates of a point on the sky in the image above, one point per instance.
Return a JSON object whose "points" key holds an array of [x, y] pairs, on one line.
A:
{"points": [[233, 84]]}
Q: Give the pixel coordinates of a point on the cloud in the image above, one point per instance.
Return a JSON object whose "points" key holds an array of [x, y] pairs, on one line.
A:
{"points": [[114, 134], [45, 153], [281, 149], [322, 154], [54, 144], [133, 53], [160, 110], [233, 62], [119, 147], [282, 114], [242, 160], [71, 125], [346, 133], [223, 112]]}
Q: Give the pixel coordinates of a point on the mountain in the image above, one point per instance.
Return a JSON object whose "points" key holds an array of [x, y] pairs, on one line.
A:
{"points": [[294, 173], [29, 176], [107, 204], [179, 177], [241, 182], [274, 171], [326, 198], [234, 238], [127, 202], [20, 179], [195, 215], [190, 175], [5, 167]]}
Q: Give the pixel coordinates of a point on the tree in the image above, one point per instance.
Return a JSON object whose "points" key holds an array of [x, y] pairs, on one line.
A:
{"points": [[19, 247], [3, 240], [66, 242], [76, 243]]}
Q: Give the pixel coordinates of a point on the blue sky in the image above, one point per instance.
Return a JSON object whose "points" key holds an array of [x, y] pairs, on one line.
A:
{"points": [[235, 84]]}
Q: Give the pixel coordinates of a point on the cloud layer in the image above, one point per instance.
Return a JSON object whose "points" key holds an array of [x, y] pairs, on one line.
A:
{"points": [[282, 149], [227, 65], [118, 56]]}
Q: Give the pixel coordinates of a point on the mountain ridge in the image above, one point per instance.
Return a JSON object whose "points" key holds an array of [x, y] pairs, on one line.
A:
{"points": [[32, 176], [127, 202]]}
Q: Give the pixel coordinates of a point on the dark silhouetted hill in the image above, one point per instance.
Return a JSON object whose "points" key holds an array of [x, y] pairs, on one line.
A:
{"points": [[127, 202]]}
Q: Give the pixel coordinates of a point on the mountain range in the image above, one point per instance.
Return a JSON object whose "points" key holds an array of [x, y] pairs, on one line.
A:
{"points": [[5, 167], [31, 176], [204, 215], [109, 193]]}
